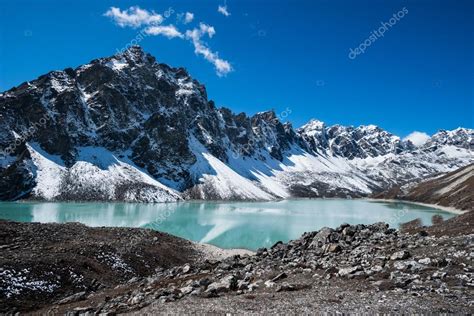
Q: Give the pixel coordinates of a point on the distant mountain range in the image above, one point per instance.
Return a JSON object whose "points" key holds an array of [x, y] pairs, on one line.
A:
{"points": [[126, 128], [454, 189]]}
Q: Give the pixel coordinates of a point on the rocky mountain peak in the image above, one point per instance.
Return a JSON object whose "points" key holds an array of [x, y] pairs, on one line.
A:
{"points": [[312, 125], [145, 131], [135, 51], [266, 116], [459, 137], [351, 142]]}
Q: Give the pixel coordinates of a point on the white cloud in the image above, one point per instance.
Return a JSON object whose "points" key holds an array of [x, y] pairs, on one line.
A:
{"points": [[170, 31], [207, 29], [222, 66], [188, 17], [133, 17], [223, 10], [417, 138]]}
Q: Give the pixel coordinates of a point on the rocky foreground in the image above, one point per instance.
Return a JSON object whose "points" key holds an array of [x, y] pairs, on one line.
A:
{"points": [[41, 264], [361, 268]]}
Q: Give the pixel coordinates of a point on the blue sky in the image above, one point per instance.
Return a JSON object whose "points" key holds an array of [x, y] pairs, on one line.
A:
{"points": [[283, 54]]}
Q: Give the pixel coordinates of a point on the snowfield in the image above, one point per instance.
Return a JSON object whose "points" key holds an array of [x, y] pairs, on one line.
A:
{"points": [[97, 175]]}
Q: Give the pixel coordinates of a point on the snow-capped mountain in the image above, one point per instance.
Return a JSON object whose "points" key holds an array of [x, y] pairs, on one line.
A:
{"points": [[352, 142], [131, 129]]}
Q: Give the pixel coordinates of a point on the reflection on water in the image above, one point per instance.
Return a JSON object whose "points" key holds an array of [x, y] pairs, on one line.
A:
{"points": [[228, 225]]}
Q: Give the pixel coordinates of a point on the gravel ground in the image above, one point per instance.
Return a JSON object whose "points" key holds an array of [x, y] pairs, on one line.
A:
{"points": [[322, 296]]}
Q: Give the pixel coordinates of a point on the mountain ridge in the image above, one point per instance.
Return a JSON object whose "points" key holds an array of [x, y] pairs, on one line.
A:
{"points": [[453, 189], [128, 128]]}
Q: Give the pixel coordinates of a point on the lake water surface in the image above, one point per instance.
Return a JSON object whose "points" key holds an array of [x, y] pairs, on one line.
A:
{"points": [[249, 225]]}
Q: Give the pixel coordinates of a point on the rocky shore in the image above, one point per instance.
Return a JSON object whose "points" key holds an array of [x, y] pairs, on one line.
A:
{"points": [[361, 268]]}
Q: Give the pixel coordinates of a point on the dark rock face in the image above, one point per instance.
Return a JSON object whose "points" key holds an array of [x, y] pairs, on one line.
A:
{"points": [[159, 121], [16, 181], [131, 103], [97, 105]]}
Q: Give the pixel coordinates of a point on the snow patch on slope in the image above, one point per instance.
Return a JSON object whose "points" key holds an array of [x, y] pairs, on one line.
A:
{"points": [[334, 171], [260, 172], [117, 64], [218, 177], [49, 170], [98, 174], [458, 178]]}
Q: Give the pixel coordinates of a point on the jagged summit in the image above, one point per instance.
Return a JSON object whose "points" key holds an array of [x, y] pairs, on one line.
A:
{"points": [[135, 50], [128, 128], [459, 137], [312, 125]]}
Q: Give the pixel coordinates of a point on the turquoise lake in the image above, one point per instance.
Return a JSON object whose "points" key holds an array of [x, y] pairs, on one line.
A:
{"points": [[248, 225]]}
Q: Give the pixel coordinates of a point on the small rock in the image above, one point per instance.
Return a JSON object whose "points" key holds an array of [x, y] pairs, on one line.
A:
{"points": [[400, 255], [383, 285], [133, 280], [253, 286], [321, 238], [210, 294], [196, 292], [332, 248], [359, 275], [136, 299], [400, 265], [439, 275], [279, 277], [73, 298], [348, 231], [347, 271], [186, 290], [277, 244], [425, 261], [285, 286], [423, 233], [376, 268], [261, 251], [331, 270], [344, 225], [411, 265], [204, 282], [186, 268], [228, 283], [242, 285], [269, 283]]}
